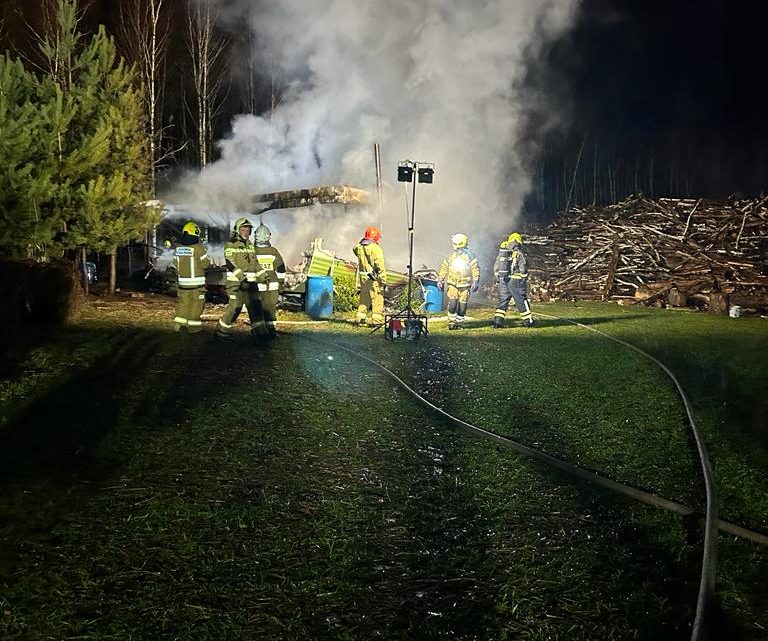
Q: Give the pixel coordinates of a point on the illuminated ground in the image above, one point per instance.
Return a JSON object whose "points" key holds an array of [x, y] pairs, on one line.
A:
{"points": [[158, 486]]}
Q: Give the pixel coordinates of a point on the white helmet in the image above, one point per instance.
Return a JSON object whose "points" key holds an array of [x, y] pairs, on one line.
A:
{"points": [[459, 240], [262, 235]]}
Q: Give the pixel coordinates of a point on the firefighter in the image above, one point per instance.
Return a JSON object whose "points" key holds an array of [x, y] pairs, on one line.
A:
{"points": [[511, 272], [243, 271], [269, 284], [461, 272], [373, 277], [190, 260]]}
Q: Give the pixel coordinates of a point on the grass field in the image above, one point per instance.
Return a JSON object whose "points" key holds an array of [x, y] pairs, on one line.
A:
{"points": [[157, 486]]}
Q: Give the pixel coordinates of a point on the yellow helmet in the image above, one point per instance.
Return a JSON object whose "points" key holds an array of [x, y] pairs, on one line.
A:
{"points": [[515, 238], [242, 222], [191, 228], [459, 240]]}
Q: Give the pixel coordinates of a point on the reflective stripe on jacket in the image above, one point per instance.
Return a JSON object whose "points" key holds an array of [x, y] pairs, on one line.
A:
{"points": [[510, 263], [460, 269], [273, 266], [240, 256], [190, 262]]}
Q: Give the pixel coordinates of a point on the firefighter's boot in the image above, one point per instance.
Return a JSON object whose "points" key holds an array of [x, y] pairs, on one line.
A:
{"points": [[498, 323], [528, 322]]}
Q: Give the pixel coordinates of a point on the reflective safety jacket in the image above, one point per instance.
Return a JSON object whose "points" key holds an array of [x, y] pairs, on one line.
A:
{"points": [[190, 262], [510, 263], [271, 262], [460, 269], [242, 265], [370, 258]]}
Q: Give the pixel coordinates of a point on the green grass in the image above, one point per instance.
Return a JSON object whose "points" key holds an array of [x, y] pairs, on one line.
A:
{"points": [[192, 490]]}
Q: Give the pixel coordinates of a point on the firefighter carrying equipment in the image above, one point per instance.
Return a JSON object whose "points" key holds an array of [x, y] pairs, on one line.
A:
{"points": [[373, 276], [370, 258], [262, 236], [511, 272], [191, 228], [373, 234], [510, 261], [190, 260]]}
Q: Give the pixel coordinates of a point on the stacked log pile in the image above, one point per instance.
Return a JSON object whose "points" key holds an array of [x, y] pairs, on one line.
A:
{"points": [[656, 251]]}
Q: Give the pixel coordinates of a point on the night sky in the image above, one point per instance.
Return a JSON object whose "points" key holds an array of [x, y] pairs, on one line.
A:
{"points": [[673, 89]]}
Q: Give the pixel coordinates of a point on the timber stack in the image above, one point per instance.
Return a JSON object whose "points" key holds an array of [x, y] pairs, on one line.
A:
{"points": [[665, 251]]}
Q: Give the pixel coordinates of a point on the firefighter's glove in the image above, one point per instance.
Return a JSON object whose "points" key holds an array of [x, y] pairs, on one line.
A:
{"points": [[245, 285]]}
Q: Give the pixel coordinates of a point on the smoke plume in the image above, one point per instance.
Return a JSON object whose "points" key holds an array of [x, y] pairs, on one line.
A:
{"points": [[431, 81]]}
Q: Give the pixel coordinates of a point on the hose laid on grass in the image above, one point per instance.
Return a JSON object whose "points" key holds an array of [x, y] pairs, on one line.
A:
{"points": [[709, 555], [707, 582]]}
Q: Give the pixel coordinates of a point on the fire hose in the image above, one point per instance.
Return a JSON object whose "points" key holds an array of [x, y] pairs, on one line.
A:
{"points": [[711, 518]]}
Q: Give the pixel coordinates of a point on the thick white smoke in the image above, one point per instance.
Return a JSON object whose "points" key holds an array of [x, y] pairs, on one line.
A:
{"points": [[430, 80]]}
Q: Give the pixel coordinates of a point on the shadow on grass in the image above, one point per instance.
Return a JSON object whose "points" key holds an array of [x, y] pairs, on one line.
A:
{"points": [[55, 435], [52, 435]]}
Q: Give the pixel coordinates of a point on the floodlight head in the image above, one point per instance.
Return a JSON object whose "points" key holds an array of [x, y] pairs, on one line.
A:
{"points": [[405, 171], [425, 174]]}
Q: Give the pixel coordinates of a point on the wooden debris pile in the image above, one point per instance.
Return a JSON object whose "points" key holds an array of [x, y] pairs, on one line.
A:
{"points": [[656, 251], [332, 194]]}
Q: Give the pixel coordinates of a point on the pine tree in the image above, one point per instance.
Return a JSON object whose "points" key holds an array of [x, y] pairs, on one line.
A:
{"points": [[111, 210], [75, 163], [26, 175], [104, 172]]}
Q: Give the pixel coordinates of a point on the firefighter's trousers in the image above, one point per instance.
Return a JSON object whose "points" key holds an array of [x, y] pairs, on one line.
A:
{"points": [[264, 314], [190, 302], [516, 289], [371, 297], [238, 298], [458, 298]]}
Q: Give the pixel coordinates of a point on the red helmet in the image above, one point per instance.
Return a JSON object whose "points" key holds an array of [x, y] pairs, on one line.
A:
{"points": [[373, 234]]}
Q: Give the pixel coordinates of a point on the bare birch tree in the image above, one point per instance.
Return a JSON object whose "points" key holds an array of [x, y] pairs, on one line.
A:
{"points": [[145, 30], [206, 46]]}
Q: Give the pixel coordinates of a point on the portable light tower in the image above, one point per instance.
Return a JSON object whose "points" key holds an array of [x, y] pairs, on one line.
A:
{"points": [[409, 171]]}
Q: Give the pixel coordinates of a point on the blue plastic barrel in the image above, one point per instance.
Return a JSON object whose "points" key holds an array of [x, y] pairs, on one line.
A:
{"points": [[433, 298], [319, 299]]}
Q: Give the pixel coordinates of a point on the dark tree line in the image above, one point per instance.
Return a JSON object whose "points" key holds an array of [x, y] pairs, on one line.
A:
{"points": [[663, 98]]}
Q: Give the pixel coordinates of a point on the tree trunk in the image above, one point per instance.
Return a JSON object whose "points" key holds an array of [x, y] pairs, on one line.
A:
{"points": [[112, 272], [84, 266]]}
